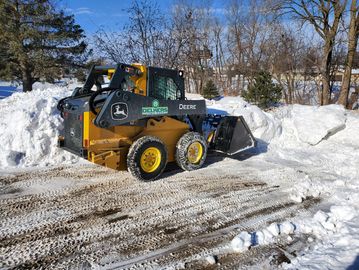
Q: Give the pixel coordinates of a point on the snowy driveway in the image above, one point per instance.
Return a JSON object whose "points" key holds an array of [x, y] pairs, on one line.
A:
{"points": [[85, 215]]}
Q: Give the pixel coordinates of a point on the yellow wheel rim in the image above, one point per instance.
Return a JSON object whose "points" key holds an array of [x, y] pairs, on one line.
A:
{"points": [[195, 152], [150, 159]]}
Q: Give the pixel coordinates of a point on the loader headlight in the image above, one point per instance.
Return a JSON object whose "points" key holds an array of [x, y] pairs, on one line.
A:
{"points": [[180, 73]]}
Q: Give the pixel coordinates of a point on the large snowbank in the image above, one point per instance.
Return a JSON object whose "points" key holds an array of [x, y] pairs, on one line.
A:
{"points": [[31, 122], [29, 125], [311, 124], [263, 125], [296, 123]]}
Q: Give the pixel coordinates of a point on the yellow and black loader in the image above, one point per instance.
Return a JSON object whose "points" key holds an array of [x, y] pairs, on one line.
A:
{"points": [[140, 120]]}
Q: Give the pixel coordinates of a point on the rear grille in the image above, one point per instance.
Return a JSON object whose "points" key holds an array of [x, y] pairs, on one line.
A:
{"points": [[73, 132]]}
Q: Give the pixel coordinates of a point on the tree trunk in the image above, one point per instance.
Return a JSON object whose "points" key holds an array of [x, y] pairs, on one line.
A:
{"points": [[279, 79], [291, 89], [353, 98], [325, 72], [27, 81], [325, 91], [352, 44]]}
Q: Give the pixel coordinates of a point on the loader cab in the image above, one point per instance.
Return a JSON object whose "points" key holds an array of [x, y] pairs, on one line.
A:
{"points": [[155, 82]]}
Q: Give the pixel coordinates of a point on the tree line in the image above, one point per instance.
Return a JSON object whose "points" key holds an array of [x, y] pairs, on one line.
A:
{"points": [[301, 44]]}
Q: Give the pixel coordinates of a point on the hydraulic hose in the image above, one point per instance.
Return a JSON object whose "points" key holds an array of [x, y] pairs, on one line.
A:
{"points": [[92, 103]]}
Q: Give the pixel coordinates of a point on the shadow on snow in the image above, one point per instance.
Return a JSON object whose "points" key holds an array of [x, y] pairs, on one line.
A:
{"points": [[214, 157]]}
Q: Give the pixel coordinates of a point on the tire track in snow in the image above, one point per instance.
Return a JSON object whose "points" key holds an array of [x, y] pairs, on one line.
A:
{"points": [[106, 217]]}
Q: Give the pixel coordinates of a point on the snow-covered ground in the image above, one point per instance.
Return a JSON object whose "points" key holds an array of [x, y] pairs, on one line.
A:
{"points": [[307, 154], [322, 143]]}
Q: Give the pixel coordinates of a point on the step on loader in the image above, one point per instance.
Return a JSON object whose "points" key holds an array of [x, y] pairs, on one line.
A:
{"points": [[137, 118]]}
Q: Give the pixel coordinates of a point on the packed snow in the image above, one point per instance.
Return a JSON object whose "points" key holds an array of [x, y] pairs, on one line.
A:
{"points": [[321, 143], [30, 125]]}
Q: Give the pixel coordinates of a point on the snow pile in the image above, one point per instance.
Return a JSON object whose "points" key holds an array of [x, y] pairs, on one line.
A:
{"points": [[263, 125], [320, 225], [306, 188], [244, 240], [337, 241], [30, 124], [310, 124], [313, 124], [290, 124]]}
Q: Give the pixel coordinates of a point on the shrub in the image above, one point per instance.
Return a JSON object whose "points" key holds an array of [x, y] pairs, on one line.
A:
{"points": [[263, 92], [210, 90]]}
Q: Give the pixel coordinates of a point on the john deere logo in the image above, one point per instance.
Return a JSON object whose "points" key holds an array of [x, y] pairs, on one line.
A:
{"points": [[119, 111], [155, 103], [155, 109]]}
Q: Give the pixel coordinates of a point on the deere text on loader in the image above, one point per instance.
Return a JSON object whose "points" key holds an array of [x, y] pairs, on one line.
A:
{"points": [[140, 120]]}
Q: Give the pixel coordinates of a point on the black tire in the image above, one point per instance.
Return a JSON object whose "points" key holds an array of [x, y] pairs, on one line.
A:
{"points": [[134, 158], [182, 148]]}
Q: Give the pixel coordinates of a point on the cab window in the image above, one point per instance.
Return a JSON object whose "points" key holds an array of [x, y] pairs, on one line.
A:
{"points": [[164, 88]]}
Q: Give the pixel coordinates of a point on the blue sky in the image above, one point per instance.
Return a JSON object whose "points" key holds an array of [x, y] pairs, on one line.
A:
{"points": [[91, 14]]}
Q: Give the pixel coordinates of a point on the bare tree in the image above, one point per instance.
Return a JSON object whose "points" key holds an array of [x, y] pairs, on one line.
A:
{"points": [[249, 36], [353, 35], [230, 52], [286, 53], [145, 33], [291, 60], [235, 44], [325, 17], [193, 24], [147, 38], [219, 60], [111, 45]]}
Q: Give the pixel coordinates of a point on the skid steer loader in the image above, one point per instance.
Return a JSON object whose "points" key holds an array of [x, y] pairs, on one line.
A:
{"points": [[140, 120]]}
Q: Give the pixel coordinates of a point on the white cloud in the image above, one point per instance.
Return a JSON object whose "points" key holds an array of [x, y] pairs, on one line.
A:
{"points": [[82, 10]]}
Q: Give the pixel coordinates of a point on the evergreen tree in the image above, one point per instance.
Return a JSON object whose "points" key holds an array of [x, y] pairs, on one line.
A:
{"points": [[37, 41], [210, 90], [263, 91], [82, 72]]}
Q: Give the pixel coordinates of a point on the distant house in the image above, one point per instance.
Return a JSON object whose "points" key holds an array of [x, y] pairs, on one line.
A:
{"points": [[339, 74]]}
